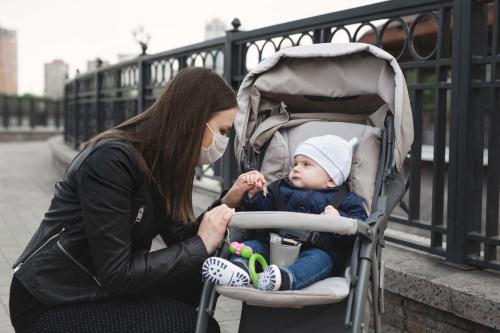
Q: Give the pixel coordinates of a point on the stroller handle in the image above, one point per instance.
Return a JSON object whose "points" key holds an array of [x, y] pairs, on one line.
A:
{"points": [[312, 222]]}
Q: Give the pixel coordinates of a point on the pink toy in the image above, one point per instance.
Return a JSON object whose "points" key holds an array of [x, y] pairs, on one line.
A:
{"points": [[240, 249]]}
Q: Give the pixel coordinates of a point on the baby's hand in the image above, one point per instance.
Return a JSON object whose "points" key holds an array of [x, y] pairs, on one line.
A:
{"points": [[253, 181], [331, 210]]}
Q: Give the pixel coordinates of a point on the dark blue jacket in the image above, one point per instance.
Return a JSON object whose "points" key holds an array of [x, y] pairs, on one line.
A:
{"points": [[314, 201]]}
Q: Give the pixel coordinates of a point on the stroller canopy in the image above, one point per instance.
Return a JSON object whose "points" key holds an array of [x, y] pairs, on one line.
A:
{"points": [[335, 71]]}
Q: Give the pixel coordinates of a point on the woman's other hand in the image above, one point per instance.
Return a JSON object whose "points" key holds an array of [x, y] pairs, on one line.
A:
{"points": [[251, 182], [213, 226]]}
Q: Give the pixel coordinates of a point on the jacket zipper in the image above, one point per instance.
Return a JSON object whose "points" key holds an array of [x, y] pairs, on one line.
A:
{"points": [[39, 248], [78, 264], [138, 218]]}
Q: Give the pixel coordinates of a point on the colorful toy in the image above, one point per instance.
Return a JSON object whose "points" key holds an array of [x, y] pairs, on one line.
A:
{"points": [[240, 249], [251, 267], [246, 252]]}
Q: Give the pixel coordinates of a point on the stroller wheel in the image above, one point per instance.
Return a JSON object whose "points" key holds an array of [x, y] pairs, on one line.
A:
{"points": [[224, 272]]}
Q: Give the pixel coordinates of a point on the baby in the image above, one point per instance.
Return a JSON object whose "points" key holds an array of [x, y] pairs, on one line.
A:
{"points": [[320, 168]]}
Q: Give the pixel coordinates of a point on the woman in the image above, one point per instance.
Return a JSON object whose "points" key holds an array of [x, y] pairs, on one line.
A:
{"points": [[88, 267]]}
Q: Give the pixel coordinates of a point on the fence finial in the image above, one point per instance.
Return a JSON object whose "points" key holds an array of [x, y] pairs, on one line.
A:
{"points": [[236, 24]]}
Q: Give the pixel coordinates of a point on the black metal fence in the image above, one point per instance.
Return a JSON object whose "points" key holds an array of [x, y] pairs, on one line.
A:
{"points": [[29, 112], [449, 52]]}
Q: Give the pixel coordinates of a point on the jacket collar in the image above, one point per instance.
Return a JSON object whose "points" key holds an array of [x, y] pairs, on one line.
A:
{"points": [[289, 184]]}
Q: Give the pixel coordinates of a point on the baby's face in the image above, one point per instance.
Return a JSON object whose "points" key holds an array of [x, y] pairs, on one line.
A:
{"points": [[308, 174]]}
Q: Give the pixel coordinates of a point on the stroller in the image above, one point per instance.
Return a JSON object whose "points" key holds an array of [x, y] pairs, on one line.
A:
{"points": [[350, 90]]}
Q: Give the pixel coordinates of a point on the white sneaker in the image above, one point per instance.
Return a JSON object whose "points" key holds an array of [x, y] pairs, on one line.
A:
{"points": [[224, 272], [270, 279]]}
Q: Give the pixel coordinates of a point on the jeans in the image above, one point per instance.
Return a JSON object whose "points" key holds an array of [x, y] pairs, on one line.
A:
{"points": [[311, 266]]}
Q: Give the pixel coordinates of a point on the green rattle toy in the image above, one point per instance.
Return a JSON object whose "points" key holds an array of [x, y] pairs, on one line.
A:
{"points": [[246, 252], [251, 267]]}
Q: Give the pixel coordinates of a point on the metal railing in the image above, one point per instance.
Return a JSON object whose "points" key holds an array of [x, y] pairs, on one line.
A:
{"points": [[449, 53], [27, 113]]}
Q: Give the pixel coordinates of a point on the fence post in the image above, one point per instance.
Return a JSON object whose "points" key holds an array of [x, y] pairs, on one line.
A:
{"points": [[97, 96], [65, 113], [182, 60], [44, 113], [318, 36], [57, 113], [76, 118], [140, 85], [5, 111], [116, 104], [459, 179], [32, 112], [231, 57], [19, 111]]}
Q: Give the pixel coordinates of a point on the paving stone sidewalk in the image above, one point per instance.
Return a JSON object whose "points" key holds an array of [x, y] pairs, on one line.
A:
{"points": [[26, 185]]}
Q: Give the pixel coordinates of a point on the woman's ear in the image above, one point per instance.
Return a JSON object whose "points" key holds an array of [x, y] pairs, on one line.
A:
{"points": [[330, 183]]}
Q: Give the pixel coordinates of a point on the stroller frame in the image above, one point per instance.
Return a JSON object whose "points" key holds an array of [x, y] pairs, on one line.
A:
{"points": [[366, 265]]}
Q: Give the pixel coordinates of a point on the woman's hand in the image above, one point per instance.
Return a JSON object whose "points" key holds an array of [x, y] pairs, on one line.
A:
{"points": [[251, 182], [257, 182], [331, 210], [213, 226]]}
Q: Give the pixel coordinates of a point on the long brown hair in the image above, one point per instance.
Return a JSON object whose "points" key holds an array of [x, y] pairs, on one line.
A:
{"points": [[168, 135]]}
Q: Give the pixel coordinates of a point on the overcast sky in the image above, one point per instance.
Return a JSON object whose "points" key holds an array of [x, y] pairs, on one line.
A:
{"points": [[77, 31]]}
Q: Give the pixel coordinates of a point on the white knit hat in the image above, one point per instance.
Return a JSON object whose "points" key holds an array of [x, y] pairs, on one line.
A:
{"points": [[332, 153]]}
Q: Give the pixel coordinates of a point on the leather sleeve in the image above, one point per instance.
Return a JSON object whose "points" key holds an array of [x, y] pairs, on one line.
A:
{"points": [[175, 231], [258, 202], [106, 185]]}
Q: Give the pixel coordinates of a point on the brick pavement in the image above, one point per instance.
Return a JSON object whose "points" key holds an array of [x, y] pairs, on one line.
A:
{"points": [[26, 186]]}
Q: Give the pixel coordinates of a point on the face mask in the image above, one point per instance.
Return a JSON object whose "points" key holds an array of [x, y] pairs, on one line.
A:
{"points": [[215, 150]]}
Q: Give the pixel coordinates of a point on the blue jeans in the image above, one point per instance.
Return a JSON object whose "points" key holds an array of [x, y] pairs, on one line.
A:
{"points": [[311, 266]]}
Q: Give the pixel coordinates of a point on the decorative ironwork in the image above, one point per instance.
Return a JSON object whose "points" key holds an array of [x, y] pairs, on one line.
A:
{"points": [[26, 112], [450, 210]]}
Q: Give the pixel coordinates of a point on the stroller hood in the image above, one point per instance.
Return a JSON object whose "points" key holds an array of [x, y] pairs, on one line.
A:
{"points": [[329, 70]]}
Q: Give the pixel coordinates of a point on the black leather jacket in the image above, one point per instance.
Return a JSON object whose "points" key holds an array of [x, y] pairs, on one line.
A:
{"points": [[94, 241]]}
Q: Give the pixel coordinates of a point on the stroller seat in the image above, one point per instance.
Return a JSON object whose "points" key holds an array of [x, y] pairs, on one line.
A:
{"points": [[327, 291]]}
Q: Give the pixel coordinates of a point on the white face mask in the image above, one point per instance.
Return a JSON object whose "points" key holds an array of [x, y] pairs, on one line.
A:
{"points": [[215, 150]]}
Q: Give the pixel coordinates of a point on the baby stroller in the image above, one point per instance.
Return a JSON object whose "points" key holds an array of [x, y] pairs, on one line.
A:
{"points": [[350, 90]]}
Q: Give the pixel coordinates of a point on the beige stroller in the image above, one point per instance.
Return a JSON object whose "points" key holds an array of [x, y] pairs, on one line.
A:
{"points": [[350, 90]]}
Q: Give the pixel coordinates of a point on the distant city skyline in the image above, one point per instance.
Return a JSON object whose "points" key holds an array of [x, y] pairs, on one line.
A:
{"points": [[80, 31], [215, 28], [56, 73], [8, 61]]}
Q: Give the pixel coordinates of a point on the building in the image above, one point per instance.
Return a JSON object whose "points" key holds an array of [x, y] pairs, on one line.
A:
{"points": [[8, 61], [215, 28], [92, 65], [125, 56], [56, 73]]}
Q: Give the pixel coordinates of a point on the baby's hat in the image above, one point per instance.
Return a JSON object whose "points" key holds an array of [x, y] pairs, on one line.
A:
{"points": [[332, 153]]}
